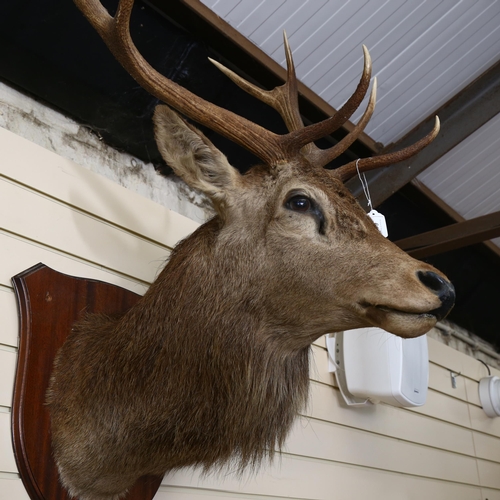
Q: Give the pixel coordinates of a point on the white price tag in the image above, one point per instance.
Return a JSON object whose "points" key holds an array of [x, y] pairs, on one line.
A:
{"points": [[379, 221]]}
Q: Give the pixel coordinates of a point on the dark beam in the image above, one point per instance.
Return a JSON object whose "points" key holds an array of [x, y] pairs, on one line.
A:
{"points": [[460, 117], [452, 237], [440, 209]]}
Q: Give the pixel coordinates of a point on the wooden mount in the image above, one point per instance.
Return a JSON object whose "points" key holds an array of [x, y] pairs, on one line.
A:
{"points": [[49, 303]]}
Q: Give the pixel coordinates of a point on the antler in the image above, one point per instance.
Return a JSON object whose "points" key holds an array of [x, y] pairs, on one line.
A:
{"points": [[116, 34], [345, 172], [284, 100], [268, 146]]}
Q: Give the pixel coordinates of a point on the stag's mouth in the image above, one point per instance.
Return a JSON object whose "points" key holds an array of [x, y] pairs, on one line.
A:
{"points": [[391, 310], [405, 323], [439, 313]]}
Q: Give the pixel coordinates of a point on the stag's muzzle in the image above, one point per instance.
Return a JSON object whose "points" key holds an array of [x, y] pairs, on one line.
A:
{"points": [[440, 287]]}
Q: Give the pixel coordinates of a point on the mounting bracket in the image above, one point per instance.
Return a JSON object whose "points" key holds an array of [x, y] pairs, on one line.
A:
{"points": [[49, 303]]}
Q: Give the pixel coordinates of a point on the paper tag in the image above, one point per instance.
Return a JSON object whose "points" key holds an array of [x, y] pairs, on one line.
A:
{"points": [[379, 221]]}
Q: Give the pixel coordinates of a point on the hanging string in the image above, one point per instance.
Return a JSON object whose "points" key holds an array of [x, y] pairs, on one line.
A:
{"points": [[364, 185]]}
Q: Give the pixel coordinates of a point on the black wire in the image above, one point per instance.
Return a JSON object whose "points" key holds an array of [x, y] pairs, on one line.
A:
{"points": [[481, 361]]}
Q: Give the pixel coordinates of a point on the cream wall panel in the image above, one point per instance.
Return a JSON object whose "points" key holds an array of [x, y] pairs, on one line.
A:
{"points": [[318, 367], [31, 165], [306, 478], [321, 342], [436, 386], [8, 313], [487, 447], [312, 438], [457, 361], [176, 493], [488, 494], [472, 388], [489, 474], [179, 493], [440, 380], [8, 360], [22, 254], [7, 461], [326, 404], [438, 405], [444, 408], [12, 489], [481, 422], [36, 217]]}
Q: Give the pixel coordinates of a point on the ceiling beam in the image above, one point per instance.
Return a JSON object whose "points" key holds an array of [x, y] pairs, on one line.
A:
{"points": [[444, 208], [452, 237], [460, 117]]}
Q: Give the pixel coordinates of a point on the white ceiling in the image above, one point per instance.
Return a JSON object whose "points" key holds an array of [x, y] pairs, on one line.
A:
{"points": [[424, 52], [467, 178]]}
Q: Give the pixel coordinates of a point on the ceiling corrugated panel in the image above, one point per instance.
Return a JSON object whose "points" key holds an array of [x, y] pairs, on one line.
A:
{"points": [[423, 52], [467, 177]]}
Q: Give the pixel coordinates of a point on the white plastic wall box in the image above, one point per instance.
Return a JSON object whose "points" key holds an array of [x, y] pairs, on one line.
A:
{"points": [[372, 365]]}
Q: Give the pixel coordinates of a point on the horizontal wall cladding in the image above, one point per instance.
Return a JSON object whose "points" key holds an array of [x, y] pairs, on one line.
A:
{"points": [[61, 179], [55, 212], [423, 52]]}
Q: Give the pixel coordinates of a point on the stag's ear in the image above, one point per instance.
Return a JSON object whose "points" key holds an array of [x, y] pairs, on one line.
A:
{"points": [[192, 156]]}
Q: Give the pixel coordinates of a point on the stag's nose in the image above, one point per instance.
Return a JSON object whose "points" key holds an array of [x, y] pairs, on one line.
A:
{"points": [[442, 288]]}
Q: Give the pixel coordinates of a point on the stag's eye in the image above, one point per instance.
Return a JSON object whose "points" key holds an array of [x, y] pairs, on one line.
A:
{"points": [[299, 203], [303, 204]]}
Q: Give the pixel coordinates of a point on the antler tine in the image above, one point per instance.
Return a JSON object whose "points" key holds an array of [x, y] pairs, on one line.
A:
{"points": [[284, 99], [266, 145], [321, 157], [291, 112], [321, 129], [348, 170]]}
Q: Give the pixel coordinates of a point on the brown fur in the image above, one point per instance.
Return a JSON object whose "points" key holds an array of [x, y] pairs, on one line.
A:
{"points": [[211, 366]]}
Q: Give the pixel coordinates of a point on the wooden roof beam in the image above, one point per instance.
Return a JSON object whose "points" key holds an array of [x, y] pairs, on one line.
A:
{"points": [[452, 237], [461, 116]]}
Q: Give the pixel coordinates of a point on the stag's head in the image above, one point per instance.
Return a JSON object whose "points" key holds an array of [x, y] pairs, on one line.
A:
{"points": [[320, 261]]}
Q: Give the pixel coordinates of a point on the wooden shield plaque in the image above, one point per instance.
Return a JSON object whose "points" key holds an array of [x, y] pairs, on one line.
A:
{"points": [[49, 303]]}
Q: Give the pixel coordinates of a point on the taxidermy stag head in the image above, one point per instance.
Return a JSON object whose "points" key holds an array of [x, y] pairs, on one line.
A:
{"points": [[211, 366]]}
